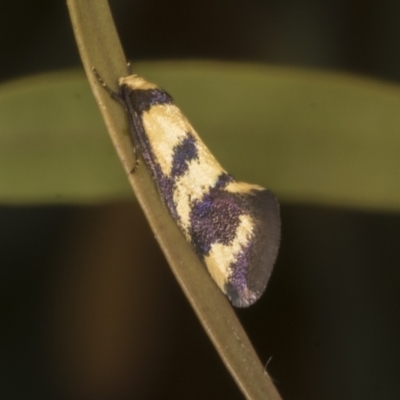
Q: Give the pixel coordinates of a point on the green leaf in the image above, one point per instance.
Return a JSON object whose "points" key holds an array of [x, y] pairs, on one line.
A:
{"points": [[310, 137], [53, 144]]}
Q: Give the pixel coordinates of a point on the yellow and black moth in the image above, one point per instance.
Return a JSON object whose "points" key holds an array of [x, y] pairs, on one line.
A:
{"points": [[234, 227]]}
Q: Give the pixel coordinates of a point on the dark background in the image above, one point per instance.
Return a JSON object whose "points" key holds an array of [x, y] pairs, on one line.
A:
{"points": [[329, 324]]}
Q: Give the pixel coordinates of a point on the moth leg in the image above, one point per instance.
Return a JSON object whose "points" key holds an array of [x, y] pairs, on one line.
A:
{"points": [[136, 165]]}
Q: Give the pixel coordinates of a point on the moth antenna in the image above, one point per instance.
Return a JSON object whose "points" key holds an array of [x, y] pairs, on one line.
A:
{"points": [[102, 83], [114, 95], [137, 163]]}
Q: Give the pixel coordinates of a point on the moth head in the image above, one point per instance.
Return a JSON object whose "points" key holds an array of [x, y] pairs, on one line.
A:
{"points": [[135, 82]]}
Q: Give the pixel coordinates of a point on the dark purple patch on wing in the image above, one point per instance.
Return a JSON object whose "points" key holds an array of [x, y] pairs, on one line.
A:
{"points": [[166, 186], [214, 218], [143, 100], [183, 153], [237, 284], [251, 270], [223, 181]]}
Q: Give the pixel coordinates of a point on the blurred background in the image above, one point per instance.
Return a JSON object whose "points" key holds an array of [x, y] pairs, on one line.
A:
{"points": [[73, 327]]}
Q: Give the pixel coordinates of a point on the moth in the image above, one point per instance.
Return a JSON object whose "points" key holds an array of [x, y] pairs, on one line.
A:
{"points": [[234, 227]]}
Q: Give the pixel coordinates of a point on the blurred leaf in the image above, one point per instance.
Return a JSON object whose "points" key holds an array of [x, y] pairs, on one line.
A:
{"points": [[311, 137], [53, 143]]}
